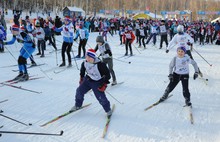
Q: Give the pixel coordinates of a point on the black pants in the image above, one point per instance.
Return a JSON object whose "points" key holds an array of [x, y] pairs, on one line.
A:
{"points": [[163, 38], [141, 38], [185, 83], [50, 41], [1, 46], [82, 45], [66, 47], [128, 43], [41, 46]]}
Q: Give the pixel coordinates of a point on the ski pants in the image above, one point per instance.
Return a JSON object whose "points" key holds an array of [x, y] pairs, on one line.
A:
{"points": [[109, 62], [82, 45], [185, 83], [66, 47], [163, 38], [85, 86]]}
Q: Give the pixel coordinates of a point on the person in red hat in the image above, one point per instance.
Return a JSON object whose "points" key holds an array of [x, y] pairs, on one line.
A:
{"points": [[26, 51], [94, 75], [68, 34]]}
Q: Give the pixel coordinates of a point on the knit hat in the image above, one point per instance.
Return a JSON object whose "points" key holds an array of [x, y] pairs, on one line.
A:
{"points": [[182, 48], [15, 28], [67, 18], [100, 39], [91, 53], [22, 28]]}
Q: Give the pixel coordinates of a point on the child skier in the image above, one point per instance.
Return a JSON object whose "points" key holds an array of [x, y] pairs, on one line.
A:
{"points": [[25, 52], [179, 71], [106, 54], [96, 78], [128, 39]]}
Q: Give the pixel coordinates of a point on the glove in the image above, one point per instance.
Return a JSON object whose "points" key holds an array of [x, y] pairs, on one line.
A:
{"points": [[167, 51], [102, 87], [195, 75], [38, 33], [80, 80], [170, 76], [66, 29], [75, 39], [53, 28], [188, 43]]}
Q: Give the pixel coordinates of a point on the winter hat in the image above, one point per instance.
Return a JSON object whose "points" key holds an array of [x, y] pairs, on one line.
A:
{"points": [[15, 27], [182, 48], [100, 39], [67, 18], [22, 28], [180, 28], [91, 53]]}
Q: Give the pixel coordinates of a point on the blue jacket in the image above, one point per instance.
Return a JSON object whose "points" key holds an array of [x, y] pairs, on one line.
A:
{"points": [[2, 33], [83, 31]]}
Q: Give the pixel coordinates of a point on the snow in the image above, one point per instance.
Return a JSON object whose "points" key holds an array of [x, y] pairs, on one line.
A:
{"points": [[145, 80]]}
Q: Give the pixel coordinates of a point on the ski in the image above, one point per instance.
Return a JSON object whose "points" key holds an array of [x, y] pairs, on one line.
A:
{"points": [[107, 123], [63, 115], [119, 83], [129, 56], [190, 114], [61, 70], [11, 80], [3, 101], [31, 66], [33, 78], [21, 88], [158, 102], [31, 133]]}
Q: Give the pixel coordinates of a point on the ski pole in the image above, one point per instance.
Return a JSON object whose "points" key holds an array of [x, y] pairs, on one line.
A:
{"points": [[19, 87], [202, 57], [136, 49], [31, 133], [15, 120], [11, 54], [114, 97], [121, 60], [4, 101]]}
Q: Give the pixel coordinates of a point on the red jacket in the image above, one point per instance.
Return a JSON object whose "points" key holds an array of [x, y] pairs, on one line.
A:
{"points": [[128, 35]]}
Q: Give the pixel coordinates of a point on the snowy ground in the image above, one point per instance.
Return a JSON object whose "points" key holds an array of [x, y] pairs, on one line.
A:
{"points": [[145, 80]]}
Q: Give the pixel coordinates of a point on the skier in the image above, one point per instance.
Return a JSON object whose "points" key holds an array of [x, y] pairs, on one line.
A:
{"points": [[163, 33], [184, 40], [97, 78], [128, 38], [83, 33], [25, 52], [142, 35], [40, 35], [106, 54], [67, 32], [179, 71], [2, 37], [153, 33]]}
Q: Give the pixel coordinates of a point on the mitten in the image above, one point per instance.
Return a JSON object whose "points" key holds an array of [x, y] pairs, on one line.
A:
{"points": [[102, 87], [80, 80], [66, 29], [170, 76], [167, 51], [195, 75]]}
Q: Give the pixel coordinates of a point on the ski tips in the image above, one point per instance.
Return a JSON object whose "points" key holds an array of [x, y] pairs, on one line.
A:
{"points": [[61, 132]]}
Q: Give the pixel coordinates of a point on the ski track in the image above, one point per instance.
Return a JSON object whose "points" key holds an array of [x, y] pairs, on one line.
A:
{"points": [[145, 80]]}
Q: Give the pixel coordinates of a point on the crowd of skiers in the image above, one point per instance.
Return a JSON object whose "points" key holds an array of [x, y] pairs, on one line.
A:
{"points": [[33, 33]]}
